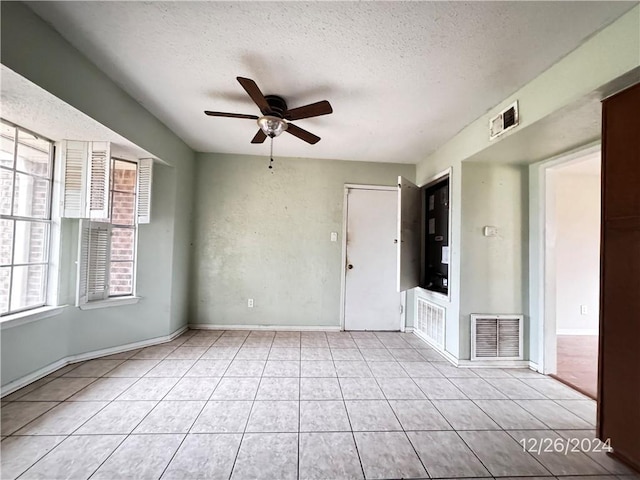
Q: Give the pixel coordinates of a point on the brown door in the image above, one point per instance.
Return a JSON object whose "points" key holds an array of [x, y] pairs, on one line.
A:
{"points": [[619, 358]]}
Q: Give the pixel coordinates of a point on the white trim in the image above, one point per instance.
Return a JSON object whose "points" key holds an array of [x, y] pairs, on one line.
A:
{"points": [[475, 364], [343, 268], [110, 302], [438, 298], [541, 293], [577, 331], [446, 355], [29, 316], [358, 186], [408, 329], [498, 363], [52, 367], [403, 312], [55, 229], [448, 172], [343, 272], [290, 328]]}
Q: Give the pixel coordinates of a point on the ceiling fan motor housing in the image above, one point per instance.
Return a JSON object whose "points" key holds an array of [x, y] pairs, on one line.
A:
{"points": [[277, 104]]}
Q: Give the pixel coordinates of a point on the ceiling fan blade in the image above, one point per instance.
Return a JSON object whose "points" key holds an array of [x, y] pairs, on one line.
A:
{"points": [[260, 137], [302, 134], [308, 111], [255, 94], [230, 115]]}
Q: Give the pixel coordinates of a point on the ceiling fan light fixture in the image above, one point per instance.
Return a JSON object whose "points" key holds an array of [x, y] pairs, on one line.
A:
{"points": [[272, 126]]}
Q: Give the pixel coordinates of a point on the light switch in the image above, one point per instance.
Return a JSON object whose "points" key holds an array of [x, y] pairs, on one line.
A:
{"points": [[334, 236], [490, 231]]}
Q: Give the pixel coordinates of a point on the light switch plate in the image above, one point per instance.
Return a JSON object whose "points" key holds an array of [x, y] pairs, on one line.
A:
{"points": [[334, 236], [490, 231]]}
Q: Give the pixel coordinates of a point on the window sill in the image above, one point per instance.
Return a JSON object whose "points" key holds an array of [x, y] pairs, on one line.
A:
{"points": [[110, 302], [29, 316]]}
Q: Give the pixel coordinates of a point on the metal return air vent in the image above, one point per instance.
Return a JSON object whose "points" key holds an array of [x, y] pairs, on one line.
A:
{"points": [[504, 121], [496, 337], [430, 324]]}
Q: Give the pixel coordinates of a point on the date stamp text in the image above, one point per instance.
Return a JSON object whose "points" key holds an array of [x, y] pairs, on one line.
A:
{"points": [[565, 445]]}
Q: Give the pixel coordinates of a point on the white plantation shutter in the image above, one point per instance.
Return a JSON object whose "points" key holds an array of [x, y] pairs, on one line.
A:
{"points": [[82, 294], [145, 171], [86, 170], [94, 251], [99, 176], [73, 155]]}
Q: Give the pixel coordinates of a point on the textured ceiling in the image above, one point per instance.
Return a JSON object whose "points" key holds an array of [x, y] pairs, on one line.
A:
{"points": [[403, 77], [32, 107]]}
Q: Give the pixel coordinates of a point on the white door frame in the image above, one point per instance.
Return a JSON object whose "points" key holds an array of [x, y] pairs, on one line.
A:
{"points": [[343, 274], [542, 263]]}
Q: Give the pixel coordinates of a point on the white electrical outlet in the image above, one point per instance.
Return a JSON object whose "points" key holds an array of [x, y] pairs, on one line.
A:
{"points": [[334, 236], [250, 303], [584, 310]]}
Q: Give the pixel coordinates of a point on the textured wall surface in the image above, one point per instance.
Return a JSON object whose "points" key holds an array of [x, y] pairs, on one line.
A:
{"points": [[494, 278], [577, 246], [265, 234]]}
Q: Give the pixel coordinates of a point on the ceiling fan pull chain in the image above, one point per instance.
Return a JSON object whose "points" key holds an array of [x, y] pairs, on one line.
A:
{"points": [[271, 155]]}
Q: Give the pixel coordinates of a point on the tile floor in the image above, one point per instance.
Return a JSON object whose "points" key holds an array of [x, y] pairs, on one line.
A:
{"points": [[288, 405]]}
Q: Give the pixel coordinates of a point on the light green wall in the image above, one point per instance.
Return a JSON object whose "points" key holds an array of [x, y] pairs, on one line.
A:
{"points": [[495, 195], [32, 49], [265, 234], [610, 55]]}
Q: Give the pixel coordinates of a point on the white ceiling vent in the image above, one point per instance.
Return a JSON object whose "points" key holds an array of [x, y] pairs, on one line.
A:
{"points": [[504, 121], [496, 337]]}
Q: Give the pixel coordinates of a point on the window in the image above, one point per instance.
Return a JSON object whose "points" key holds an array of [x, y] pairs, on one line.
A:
{"points": [[26, 167], [111, 197], [124, 179], [107, 247]]}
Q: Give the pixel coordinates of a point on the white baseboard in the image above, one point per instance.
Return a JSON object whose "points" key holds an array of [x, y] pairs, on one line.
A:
{"points": [[408, 329], [81, 357], [446, 355], [577, 331], [493, 363], [477, 364], [290, 328]]}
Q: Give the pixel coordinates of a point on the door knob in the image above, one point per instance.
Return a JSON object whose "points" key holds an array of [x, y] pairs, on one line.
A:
{"points": [[349, 266]]}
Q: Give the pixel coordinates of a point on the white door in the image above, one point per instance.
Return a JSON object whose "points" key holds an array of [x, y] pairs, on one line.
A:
{"points": [[409, 233], [372, 301]]}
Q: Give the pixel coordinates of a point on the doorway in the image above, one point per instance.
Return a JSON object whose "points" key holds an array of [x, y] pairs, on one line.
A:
{"points": [[572, 238], [370, 298]]}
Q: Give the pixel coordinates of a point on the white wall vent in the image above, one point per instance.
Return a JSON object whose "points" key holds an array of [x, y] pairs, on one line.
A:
{"points": [[496, 337], [504, 121], [430, 323]]}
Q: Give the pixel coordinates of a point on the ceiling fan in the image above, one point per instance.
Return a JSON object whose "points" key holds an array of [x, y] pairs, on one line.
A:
{"points": [[276, 116]]}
